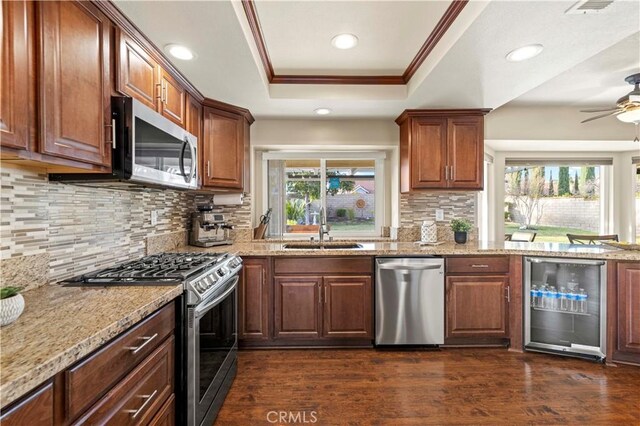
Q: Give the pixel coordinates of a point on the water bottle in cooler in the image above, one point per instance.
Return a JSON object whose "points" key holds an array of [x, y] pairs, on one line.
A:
{"points": [[533, 293], [553, 298], [563, 299], [582, 301]]}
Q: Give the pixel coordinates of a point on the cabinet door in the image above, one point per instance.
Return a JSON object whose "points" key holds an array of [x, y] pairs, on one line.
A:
{"points": [[172, 100], [347, 307], [254, 300], [628, 347], [476, 306], [428, 153], [465, 152], [33, 410], [297, 307], [17, 34], [223, 150], [75, 105], [136, 71], [167, 414]]}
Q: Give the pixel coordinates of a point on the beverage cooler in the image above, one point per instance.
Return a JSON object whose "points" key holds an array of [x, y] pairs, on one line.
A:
{"points": [[565, 306]]}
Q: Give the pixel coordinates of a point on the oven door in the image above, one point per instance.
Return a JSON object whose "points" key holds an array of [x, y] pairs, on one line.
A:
{"points": [[212, 347], [163, 152]]}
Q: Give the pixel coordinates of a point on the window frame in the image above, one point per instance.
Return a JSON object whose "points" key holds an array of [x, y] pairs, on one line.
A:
{"points": [[378, 157]]}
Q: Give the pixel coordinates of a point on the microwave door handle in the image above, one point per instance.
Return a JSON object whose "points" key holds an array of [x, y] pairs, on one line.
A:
{"points": [[193, 161], [181, 159]]}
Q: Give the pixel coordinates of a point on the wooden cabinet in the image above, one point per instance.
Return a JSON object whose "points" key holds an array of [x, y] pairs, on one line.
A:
{"points": [[225, 145], [297, 307], [33, 410], [347, 302], [137, 71], [441, 149], [17, 49], [167, 414], [477, 300], [477, 306], [254, 300], [74, 77], [624, 312], [143, 78]]}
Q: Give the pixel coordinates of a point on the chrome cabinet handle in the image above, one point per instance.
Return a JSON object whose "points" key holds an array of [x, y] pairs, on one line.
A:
{"points": [[508, 294], [446, 173], [451, 173], [113, 133], [147, 339], [164, 93], [147, 400], [208, 165], [325, 294], [479, 266]]}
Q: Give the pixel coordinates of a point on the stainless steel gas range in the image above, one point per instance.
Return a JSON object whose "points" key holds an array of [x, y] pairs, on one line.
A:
{"points": [[207, 330]]}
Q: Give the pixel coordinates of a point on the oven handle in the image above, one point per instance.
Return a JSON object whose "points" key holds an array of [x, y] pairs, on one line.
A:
{"points": [[200, 311]]}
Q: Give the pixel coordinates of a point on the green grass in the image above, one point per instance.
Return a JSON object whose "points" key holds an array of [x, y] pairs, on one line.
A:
{"points": [[548, 234]]}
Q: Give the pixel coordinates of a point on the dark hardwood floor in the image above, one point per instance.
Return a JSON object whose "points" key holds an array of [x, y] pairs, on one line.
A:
{"points": [[453, 386]]}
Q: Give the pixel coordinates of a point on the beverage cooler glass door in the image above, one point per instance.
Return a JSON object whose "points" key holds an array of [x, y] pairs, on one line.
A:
{"points": [[565, 306]]}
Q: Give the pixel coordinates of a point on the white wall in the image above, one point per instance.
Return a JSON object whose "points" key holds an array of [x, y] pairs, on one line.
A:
{"points": [[326, 134], [553, 123]]}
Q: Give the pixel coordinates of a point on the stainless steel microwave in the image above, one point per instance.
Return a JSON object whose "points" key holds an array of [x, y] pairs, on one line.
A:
{"points": [[148, 149]]}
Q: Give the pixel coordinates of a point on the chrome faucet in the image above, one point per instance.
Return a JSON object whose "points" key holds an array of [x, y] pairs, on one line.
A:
{"points": [[323, 229]]}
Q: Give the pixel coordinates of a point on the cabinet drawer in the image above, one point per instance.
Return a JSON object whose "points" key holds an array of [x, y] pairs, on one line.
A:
{"points": [[87, 381], [323, 265], [478, 265], [33, 410], [140, 395], [167, 414]]}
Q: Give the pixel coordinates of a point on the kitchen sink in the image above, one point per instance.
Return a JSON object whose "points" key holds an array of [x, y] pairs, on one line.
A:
{"points": [[325, 246]]}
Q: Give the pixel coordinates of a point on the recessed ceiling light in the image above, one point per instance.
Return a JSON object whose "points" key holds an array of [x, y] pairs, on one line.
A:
{"points": [[524, 52], [344, 41], [179, 51], [322, 111]]}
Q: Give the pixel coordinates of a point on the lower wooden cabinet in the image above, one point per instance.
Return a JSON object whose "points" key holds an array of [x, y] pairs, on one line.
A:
{"points": [[297, 307], [129, 381], [347, 306], [254, 300], [33, 410], [624, 313], [308, 301], [477, 306]]}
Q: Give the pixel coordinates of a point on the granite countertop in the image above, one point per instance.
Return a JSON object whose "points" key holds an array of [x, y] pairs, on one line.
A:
{"points": [[61, 325], [389, 248]]}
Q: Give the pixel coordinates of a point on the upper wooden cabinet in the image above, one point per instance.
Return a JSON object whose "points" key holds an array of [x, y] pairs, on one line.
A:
{"points": [[75, 91], [441, 149], [224, 148], [17, 43], [141, 77]]}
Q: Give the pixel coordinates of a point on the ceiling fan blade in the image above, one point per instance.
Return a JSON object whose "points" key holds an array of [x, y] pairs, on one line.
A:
{"points": [[602, 116], [599, 109]]}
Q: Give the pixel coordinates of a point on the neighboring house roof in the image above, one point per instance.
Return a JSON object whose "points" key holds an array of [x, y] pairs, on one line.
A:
{"points": [[366, 185]]}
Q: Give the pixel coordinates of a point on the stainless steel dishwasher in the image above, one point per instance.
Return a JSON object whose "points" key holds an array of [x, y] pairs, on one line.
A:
{"points": [[409, 301]]}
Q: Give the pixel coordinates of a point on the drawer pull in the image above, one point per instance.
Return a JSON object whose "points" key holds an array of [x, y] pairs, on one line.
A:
{"points": [[147, 400], [479, 266], [147, 339]]}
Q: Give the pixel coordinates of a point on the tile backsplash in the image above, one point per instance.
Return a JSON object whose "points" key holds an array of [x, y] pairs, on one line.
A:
{"points": [[80, 228], [419, 206]]}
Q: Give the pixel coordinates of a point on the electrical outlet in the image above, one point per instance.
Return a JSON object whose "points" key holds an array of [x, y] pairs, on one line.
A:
{"points": [[154, 217], [439, 214]]}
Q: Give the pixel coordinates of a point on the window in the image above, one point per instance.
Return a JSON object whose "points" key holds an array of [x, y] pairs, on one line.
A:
{"points": [[348, 186], [554, 200]]}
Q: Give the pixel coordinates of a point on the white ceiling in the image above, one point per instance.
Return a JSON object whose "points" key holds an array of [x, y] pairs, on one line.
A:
{"points": [[562, 146], [298, 34], [469, 72]]}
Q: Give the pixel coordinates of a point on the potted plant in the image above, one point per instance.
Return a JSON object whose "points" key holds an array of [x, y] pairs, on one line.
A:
{"points": [[460, 229], [11, 305]]}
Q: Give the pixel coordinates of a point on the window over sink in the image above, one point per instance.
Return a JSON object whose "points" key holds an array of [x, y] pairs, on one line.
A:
{"points": [[347, 185]]}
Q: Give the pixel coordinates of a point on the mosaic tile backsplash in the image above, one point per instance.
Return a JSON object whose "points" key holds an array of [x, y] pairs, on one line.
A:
{"points": [[419, 206], [63, 230]]}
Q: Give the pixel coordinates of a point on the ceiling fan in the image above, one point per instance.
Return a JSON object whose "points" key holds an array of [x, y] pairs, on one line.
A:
{"points": [[627, 108]]}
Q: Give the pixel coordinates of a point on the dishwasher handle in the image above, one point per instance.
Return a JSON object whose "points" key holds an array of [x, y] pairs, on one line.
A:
{"points": [[401, 267]]}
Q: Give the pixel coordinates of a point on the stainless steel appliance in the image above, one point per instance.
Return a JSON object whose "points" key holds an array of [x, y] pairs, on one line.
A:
{"points": [[409, 301], [147, 148], [207, 331], [209, 228], [565, 306]]}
